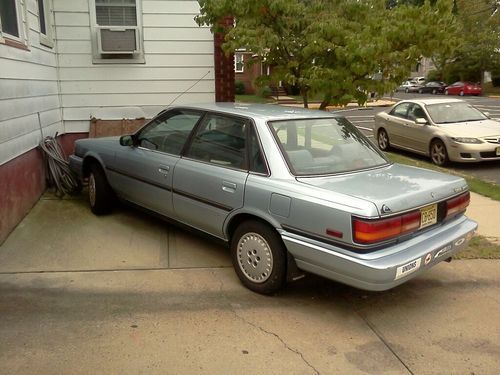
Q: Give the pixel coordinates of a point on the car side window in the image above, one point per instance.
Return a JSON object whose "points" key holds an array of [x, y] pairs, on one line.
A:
{"points": [[400, 110], [220, 140], [256, 161], [416, 112], [168, 132]]}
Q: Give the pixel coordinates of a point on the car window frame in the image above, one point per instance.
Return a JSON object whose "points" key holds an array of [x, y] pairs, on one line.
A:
{"points": [[159, 117], [289, 164], [391, 112], [411, 109], [251, 127]]}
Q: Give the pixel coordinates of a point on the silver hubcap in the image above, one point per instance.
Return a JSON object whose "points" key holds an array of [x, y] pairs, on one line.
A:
{"points": [[438, 153], [92, 191], [382, 140], [254, 257]]}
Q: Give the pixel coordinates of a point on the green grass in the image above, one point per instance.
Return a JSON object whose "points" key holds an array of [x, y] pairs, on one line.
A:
{"points": [[480, 247], [253, 99], [488, 89], [476, 185]]}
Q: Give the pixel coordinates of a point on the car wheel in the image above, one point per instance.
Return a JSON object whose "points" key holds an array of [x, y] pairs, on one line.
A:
{"points": [[101, 196], [383, 140], [433, 91], [446, 92], [461, 93], [259, 257], [439, 155]]}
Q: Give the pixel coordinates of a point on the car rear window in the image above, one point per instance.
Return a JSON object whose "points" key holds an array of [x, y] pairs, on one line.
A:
{"points": [[325, 146]]}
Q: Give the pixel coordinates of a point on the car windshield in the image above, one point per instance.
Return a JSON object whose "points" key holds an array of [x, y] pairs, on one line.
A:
{"points": [[325, 146], [447, 113]]}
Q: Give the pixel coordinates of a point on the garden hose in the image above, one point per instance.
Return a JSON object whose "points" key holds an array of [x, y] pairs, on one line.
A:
{"points": [[58, 173]]}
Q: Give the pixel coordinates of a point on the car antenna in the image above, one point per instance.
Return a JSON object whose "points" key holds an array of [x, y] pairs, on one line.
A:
{"points": [[189, 88]]}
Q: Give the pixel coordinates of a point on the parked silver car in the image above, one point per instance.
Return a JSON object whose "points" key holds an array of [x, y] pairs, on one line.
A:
{"points": [[444, 129], [290, 190]]}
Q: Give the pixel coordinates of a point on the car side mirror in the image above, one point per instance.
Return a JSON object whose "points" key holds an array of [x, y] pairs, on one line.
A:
{"points": [[421, 121], [127, 140]]}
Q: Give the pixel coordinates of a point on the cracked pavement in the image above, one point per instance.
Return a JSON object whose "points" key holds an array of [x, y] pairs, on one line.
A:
{"points": [[127, 293]]}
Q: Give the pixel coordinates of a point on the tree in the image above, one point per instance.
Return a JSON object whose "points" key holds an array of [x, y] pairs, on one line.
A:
{"points": [[333, 47]]}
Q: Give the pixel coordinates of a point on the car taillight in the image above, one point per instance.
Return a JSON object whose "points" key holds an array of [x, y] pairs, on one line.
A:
{"points": [[371, 231], [457, 204]]}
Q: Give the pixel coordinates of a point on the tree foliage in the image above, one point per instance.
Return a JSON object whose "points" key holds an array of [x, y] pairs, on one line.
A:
{"points": [[334, 47]]}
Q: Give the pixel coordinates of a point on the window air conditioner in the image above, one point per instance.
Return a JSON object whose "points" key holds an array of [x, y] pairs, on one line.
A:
{"points": [[117, 39]]}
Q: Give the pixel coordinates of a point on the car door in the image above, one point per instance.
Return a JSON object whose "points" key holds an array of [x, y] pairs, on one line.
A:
{"points": [[395, 124], [417, 134], [209, 180], [143, 173]]}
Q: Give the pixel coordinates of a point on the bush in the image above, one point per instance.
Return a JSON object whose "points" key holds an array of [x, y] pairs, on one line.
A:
{"points": [[239, 88], [433, 75], [264, 91], [495, 80]]}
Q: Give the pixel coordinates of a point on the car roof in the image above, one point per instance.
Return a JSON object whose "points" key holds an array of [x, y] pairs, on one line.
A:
{"points": [[433, 101], [262, 111]]}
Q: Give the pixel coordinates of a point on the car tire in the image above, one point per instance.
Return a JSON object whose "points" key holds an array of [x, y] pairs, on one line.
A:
{"points": [[100, 194], [259, 257], [383, 140], [461, 93], [439, 155]]}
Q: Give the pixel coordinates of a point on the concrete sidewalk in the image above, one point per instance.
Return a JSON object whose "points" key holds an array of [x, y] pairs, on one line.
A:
{"points": [[486, 212], [126, 293]]}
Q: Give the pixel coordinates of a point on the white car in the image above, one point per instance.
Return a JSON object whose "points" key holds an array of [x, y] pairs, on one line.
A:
{"points": [[444, 129]]}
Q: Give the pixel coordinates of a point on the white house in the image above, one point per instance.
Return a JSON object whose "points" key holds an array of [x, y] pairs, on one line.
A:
{"points": [[63, 62]]}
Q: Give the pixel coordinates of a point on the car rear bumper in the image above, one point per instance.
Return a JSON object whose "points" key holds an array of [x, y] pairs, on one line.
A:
{"points": [[382, 269]]}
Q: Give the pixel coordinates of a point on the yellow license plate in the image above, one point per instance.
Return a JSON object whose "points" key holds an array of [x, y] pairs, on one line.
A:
{"points": [[428, 215]]}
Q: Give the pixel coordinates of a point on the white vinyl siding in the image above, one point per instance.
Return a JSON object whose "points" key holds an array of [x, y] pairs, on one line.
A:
{"points": [[176, 54], [29, 95]]}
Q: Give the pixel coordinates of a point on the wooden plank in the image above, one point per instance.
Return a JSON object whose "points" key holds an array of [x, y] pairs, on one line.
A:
{"points": [[131, 87], [134, 73], [72, 19], [169, 20], [71, 6], [179, 7], [37, 55], [106, 100], [13, 88], [73, 33], [74, 46], [166, 34], [175, 47], [14, 108], [27, 70], [75, 60]]}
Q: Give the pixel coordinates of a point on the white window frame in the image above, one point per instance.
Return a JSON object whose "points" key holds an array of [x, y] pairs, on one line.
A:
{"points": [[21, 16], [46, 39], [94, 29], [242, 62]]}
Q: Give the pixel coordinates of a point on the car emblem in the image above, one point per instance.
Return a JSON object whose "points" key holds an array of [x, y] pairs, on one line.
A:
{"points": [[385, 209], [428, 258]]}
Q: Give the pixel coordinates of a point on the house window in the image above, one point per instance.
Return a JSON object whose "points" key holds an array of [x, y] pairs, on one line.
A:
{"points": [[9, 19], [116, 12], [45, 23], [239, 63]]}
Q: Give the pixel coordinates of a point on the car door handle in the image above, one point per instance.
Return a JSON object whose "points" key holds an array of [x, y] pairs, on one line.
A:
{"points": [[164, 169], [229, 187]]}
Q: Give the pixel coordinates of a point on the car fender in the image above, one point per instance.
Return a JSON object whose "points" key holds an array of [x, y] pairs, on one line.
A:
{"points": [[89, 157], [240, 214]]}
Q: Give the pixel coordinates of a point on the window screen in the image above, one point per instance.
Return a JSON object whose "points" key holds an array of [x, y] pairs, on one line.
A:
{"points": [[116, 12]]}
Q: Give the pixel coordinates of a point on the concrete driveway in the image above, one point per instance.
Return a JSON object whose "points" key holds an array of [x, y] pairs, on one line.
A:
{"points": [[127, 293]]}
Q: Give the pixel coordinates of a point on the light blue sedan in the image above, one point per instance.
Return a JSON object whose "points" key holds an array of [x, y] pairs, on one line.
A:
{"points": [[290, 190]]}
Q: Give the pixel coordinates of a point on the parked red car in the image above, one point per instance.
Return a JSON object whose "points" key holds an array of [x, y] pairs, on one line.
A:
{"points": [[463, 88]]}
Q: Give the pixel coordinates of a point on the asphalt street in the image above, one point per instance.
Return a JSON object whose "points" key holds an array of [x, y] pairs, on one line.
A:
{"points": [[363, 118]]}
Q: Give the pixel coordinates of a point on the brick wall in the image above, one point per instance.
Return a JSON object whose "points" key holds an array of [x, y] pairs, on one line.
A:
{"points": [[224, 68]]}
